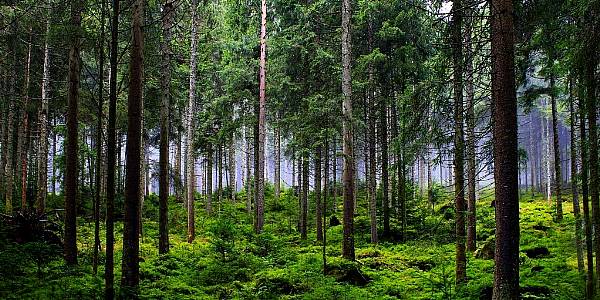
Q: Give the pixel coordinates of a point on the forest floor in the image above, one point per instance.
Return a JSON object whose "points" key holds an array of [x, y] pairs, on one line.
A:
{"points": [[228, 261]]}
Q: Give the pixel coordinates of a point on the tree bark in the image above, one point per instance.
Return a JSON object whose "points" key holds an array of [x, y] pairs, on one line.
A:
{"points": [[506, 170], [189, 141], [71, 170], [277, 179], [232, 168], [348, 236], [131, 227], [318, 208], [42, 183], [304, 198], [574, 191], [163, 176], [383, 140], [23, 133], [471, 142], [111, 155], [209, 179], [583, 145], [260, 174], [557, 161]]}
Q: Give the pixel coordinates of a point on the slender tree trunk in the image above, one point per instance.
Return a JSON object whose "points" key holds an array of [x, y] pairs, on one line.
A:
{"points": [[459, 144], [43, 125], [163, 176], [111, 155], [304, 198], [131, 231], [372, 166], [260, 177], [248, 175], [219, 173], [277, 180], [334, 185], [98, 179], [574, 191], [318, 208], [471, 159], [590, 291], [189, 141], [348, 240], [324, 207], [71, 170], [23, 138], [506, 272], [557, 161], [383, 138], [232, 167], [209, 179], [532, 157]]}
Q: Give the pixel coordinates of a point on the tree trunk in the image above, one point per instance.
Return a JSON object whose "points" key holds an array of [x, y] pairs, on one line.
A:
{"points": [[42, 183], [557, 161], [574, 191], [383, 138], [163, 176], [532, 156], [232, 168], [584, 198], [471, 122], [372, 165], [334, 185], [189, 140], [318, 208], [131, 244], [324, 206], [71, 172], [506, 272], [23, 133], [98, 179], [111, 155], [347, 177], [248, 175], [459, 143], [304, 198], [277, 179], [209, 179], [260, 174]]}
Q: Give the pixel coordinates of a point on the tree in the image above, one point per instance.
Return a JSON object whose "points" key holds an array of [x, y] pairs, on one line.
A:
{"points": [[163, 242], [260, 172], [111, 146], [189, 126], [71, 172], [348, 176], [42, 191], [506, 272], [131, 231], [459, 143]]}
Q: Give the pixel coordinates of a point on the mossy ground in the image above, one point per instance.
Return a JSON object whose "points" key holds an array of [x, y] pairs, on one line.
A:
{"points": [[228, 261]]}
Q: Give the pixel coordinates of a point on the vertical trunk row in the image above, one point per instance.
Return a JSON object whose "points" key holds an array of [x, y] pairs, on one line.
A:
{"points": [[459, 144], [111, 155], [23, 136], [583, 145], [506, 272], [260, 174], [71, 172], [347, 177], [131, 244], [189, 141]]}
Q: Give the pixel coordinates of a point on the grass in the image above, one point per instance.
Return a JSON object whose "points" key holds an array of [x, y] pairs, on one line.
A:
{"points": [[227, 261]]}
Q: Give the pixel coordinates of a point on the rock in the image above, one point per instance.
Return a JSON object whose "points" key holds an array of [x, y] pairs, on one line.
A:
{"points": [[486, 251], [334, 221], [537, 252]]}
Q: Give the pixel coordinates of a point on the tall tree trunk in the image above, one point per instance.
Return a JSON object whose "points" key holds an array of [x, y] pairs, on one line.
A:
{"points": [[532, 156], [209, 179], [471, 158], [220, 173], [189, 140], [347, 177], [304, 198], [131, 231], [248, 174], [10, 157], [557, 161], [260, 177], [23, 138], [277, 179], [574, 191], [98, 173], [334, 184], [372, 167], [383, 139], [324, 205], [584, 198], [318, 208], [232, 168], [506, 272], [163, 176], [42, 180], [111, 155], [459, 143], [71, 170], [590, 82]]}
